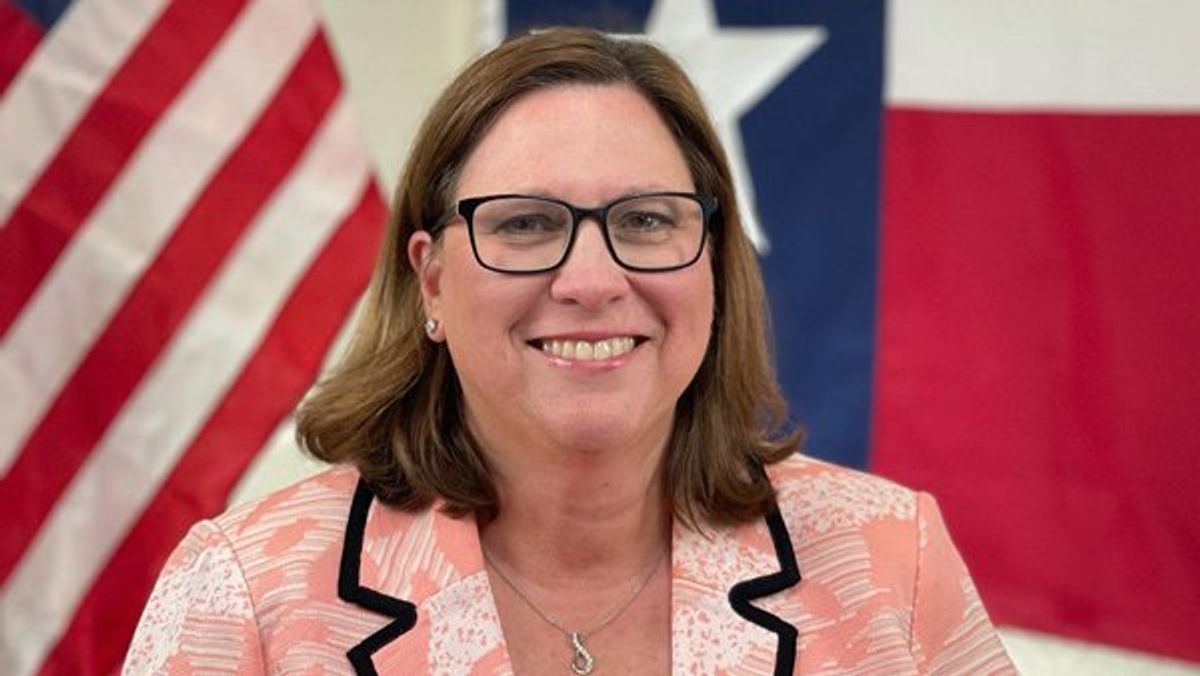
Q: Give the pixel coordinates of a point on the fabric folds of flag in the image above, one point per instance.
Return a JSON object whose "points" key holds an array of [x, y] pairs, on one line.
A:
{"points": [[1038, 317], [187, 217]]}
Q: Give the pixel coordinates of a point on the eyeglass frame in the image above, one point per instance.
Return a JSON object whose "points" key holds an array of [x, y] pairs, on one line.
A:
{"points": [[467, 206]]}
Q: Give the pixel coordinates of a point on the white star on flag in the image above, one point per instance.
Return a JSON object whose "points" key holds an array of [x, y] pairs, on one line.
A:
{"points": [[734, 68]]}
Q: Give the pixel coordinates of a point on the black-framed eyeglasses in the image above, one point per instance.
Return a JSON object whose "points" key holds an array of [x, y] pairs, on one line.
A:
{"points": [[523, 234]]}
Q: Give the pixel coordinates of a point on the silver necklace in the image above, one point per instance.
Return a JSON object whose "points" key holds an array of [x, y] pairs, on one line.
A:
{"points": [[582, 661]]}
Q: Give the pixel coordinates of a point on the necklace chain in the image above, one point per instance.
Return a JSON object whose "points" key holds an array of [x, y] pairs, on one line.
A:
{"points": [[583, 662]]}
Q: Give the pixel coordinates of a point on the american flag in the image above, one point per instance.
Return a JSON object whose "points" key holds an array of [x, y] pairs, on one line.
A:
{"points": [[187, 216]]}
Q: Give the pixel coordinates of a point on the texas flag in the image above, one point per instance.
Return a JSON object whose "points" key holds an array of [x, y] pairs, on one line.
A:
{"points": [[980, 229]]}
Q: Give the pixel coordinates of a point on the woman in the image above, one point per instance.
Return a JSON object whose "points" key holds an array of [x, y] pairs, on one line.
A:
{"points": [[560, 446]]}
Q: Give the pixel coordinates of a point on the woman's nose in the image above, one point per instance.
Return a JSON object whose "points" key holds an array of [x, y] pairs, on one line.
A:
{"points": [[589, 276]]}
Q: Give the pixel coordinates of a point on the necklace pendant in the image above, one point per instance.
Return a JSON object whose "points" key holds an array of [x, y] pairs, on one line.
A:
{"points": [[583, 662]]}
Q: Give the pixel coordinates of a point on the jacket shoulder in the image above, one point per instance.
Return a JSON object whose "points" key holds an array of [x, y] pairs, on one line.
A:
{"points": [[209, 603], [324, 496], [816, 496]]}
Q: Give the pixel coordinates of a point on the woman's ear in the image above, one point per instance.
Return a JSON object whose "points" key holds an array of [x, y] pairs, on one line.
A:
{"points": [[424, 259]]}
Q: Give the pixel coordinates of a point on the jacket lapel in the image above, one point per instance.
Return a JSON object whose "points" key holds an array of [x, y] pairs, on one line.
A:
{"points": [[403, 613], [725, 597], [423, 573]]}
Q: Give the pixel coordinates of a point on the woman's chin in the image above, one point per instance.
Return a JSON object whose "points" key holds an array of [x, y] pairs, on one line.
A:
{"points": [[596, 434]]}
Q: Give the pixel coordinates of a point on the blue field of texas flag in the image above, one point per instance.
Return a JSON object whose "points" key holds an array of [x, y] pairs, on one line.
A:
{"points": [[980, 228]]}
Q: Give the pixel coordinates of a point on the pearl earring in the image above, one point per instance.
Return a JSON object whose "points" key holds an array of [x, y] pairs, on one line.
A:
{"points": [[431, 326]]}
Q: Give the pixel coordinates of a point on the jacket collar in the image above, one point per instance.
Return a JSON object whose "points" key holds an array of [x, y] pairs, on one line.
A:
{"points": [[402, 565]]}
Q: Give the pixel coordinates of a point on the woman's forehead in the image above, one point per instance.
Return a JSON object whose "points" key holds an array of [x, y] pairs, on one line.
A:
{"points": [[586, 141]]}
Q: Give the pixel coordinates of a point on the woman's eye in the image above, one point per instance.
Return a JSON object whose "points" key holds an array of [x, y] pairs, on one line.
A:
{"points": [[530, 223], [645, 220]]}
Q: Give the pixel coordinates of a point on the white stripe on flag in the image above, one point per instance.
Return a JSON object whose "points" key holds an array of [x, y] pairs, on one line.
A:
{"points": [[57, 84], [280, 462], [153, 431], [71, 307], [1121, 54]]}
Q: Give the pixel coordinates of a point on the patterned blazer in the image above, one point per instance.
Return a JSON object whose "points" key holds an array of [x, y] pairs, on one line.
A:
{"points": [[850, 574]]}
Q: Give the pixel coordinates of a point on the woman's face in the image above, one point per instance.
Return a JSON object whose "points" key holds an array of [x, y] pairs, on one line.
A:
{"points": [[587, 145]]}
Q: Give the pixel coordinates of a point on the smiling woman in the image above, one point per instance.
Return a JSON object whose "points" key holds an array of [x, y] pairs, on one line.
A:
{"points": [[560, 444], [523, 408], [567, 117]]}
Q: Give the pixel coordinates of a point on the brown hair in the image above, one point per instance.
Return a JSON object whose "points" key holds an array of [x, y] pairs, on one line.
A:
{"points": [[393, 407]]}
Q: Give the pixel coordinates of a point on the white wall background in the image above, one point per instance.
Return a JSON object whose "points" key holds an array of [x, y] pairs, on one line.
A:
{"points": [[396, 55]]}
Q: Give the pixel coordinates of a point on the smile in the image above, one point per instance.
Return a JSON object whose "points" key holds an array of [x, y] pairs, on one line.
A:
{"points": [[584, 350]]}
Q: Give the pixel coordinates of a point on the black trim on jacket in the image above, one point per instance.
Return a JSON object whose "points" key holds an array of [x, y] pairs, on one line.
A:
{"points": [[404, 613], [742, 593]]}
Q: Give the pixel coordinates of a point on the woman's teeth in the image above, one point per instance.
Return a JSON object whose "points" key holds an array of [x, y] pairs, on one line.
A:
{"points": [[582, 350]]}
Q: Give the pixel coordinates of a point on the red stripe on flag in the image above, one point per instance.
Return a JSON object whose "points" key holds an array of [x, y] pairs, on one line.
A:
{"points": [[268, 388], [91, 158], [1038, 365], [152, 312], [18, 37]]}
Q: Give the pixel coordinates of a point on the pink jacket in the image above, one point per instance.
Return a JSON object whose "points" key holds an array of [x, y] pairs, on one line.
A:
{"points": [[851, 574]]}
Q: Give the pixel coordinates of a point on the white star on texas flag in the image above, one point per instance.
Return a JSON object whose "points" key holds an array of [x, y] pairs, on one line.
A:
{"points": [[734, 68]]}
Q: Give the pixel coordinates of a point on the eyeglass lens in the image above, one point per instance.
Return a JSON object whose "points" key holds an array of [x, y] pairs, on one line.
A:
{"points": [[522, 234]]}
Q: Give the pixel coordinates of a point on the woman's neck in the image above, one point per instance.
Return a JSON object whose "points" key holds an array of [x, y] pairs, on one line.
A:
{"points": [[598, 515]]}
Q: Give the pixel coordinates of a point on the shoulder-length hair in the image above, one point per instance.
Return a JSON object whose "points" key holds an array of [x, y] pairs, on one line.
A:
{"points": [[393, 407]]}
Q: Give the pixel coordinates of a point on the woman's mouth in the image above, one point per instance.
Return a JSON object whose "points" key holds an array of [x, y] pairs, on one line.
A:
{"points": [[588, 350]]}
